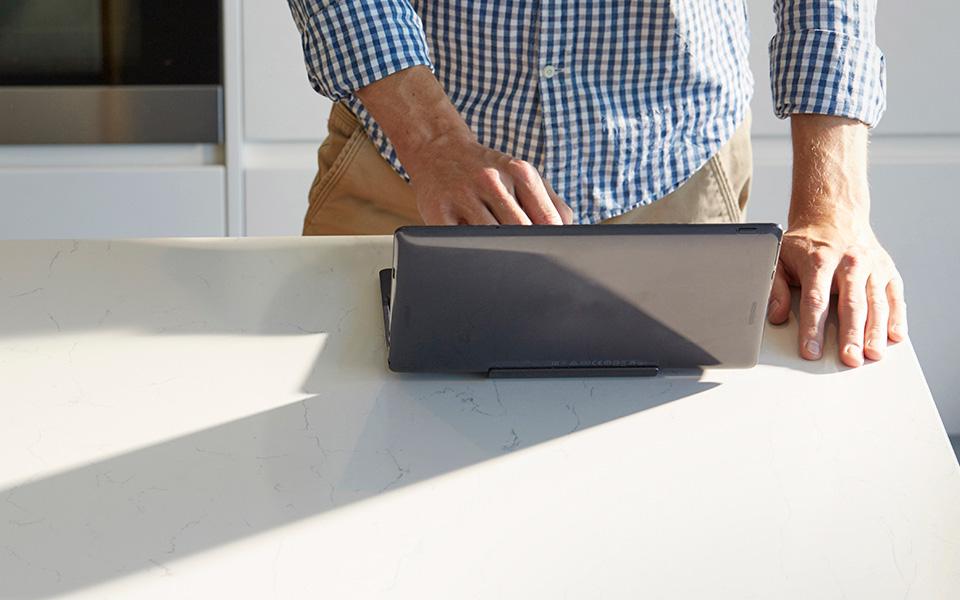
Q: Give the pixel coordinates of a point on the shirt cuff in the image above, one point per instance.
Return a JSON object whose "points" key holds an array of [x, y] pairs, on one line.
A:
{"points": [[825, 72], [352, 43]]}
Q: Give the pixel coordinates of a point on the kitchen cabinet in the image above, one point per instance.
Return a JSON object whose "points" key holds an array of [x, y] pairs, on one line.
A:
{"points": [[118, 202]]}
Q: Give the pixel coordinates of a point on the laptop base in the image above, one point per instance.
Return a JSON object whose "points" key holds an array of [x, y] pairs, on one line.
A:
{"points": [[523, 373]]}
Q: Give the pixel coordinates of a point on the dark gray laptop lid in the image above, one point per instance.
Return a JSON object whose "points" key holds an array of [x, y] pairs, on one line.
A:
{"points": [[605, 297]]}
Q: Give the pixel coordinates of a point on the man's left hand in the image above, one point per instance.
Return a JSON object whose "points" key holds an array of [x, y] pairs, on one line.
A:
{"points": [[822, 260], [830, 248]]}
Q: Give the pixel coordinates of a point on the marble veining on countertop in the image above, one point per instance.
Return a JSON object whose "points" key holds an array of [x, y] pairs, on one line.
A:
{"points": [[214, 418]]}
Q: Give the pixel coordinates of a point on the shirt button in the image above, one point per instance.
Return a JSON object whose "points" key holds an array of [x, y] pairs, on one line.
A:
{"points": [[548, 71]]}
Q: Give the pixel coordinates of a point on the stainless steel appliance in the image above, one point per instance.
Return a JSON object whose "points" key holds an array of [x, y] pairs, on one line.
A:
{"points": [[110, 71]]}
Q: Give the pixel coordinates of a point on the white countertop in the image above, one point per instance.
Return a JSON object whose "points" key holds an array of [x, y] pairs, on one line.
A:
{"points": [[214, 419]]}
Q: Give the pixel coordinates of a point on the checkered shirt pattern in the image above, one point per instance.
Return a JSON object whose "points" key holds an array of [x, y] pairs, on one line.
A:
{"points": [[615, 102]]}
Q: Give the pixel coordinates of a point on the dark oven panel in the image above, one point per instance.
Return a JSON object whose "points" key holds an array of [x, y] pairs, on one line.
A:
{"points": [[101, 71]]}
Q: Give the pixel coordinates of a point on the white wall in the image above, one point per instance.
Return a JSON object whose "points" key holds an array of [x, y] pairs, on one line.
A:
{"points": [[915, 173]]}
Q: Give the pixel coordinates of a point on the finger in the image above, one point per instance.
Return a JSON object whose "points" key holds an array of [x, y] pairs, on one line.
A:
{"points": [[494, 188], [778, 308], [500, 201], [851, 309], [878, 313], [566, 213], [507, 210], [532, 194], [814, 302], [897, 326], [476, 213]]}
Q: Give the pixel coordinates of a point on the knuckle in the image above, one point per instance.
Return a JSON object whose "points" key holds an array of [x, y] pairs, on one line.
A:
{"points": [[488, 178], [896, 285], [814, 299], [521, 168], [895, 297], [820, 258], [852, 303], [851, 260], [876, 298]]}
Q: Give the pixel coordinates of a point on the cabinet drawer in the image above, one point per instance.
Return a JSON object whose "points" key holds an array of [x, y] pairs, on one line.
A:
{"points": [[111, 203]]}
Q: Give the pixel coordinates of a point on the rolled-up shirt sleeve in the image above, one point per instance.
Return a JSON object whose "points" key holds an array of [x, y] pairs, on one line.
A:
{"points": [[349, 44], [824, 59]]}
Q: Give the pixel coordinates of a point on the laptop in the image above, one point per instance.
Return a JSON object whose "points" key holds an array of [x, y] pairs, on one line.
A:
{"points": [[583, 300]]}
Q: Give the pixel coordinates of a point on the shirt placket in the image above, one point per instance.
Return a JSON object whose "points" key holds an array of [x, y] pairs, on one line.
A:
{"points": [[552, 81]]}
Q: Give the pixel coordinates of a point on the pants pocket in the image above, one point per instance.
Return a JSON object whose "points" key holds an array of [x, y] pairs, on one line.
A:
{"points": [[733, 168], [727, 197], [344, 140]]}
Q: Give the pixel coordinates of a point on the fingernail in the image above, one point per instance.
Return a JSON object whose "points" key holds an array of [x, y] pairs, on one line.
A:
{"points": [[773, 305], [813, 347], [873, 343], [899, 329], [854, 351]]}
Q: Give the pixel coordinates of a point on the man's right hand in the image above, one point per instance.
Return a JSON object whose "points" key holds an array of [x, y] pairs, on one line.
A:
{"points": [[460, 181], [456, 179]]}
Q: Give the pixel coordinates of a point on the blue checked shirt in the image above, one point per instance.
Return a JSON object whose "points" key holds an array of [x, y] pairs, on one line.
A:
{"points": [[616, 103]]}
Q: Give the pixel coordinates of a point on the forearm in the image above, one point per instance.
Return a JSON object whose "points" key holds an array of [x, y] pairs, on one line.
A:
{"points": [[414, 111], [829, 171]]}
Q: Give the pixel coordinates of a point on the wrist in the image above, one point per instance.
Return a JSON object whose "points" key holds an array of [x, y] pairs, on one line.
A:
{"points": [[829, 173], [415, 113]]}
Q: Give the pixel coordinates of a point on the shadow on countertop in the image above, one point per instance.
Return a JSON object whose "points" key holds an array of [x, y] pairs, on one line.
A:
{"points": [[361, 433], [144, 508]]}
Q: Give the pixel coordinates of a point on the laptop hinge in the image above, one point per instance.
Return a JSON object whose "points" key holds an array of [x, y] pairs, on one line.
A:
{"points": [[524, 372], [385, 283]]}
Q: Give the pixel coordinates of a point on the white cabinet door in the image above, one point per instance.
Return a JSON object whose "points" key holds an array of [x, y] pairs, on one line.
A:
{"points": [[279, 104], [276, 200], [126, 202]]}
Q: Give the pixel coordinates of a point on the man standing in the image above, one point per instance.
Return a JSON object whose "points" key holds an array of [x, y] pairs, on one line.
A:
{"points": [[585, 111]]}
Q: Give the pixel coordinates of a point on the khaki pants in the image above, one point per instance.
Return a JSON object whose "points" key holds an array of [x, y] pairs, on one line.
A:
{"points": [[357, 192]]}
